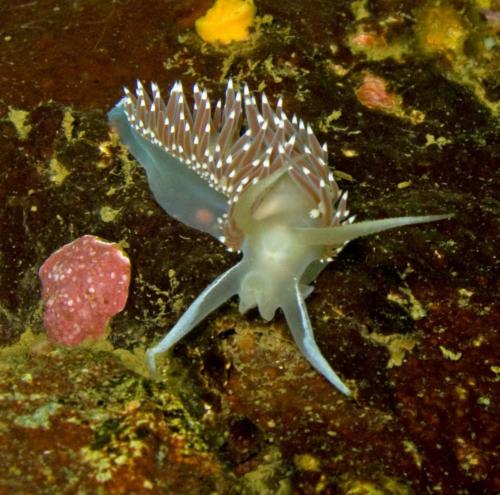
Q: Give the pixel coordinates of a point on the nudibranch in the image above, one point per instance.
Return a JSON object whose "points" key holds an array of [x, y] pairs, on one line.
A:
{"points": [[258, 182]]}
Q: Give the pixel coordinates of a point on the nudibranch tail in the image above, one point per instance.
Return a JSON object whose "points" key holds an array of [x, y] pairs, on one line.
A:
{"points": [[338, 236]]}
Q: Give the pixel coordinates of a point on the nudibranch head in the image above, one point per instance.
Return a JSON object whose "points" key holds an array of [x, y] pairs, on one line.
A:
{"points": [[257, 181]]}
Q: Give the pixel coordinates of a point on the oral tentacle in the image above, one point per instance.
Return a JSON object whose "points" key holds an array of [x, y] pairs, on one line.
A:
{"points": [[214, 295], [300, 325]]}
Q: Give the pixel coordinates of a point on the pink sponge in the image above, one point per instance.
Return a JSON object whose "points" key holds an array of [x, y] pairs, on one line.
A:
{"points": [[84, 284]]}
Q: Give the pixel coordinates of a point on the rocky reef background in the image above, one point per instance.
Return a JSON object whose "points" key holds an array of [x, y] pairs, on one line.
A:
{"points": [[406, 96]]}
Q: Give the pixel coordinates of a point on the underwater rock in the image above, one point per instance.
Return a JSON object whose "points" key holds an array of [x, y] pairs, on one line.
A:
{"points": [[84, 284]]}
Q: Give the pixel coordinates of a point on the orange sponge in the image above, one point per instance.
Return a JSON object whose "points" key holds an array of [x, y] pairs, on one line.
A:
{"points": [[227, 21]]}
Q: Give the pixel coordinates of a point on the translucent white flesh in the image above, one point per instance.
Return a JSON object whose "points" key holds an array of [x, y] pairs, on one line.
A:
{"points": [[337, 236], [178, 189]]}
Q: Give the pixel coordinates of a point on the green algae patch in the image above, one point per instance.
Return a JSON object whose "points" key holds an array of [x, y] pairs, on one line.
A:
{"points": [[463, 40], [383, 486], [57, 171], [19, 119], [307, 462], [109, 214], [40, 417], [265, 58], [19, 352], [270, 477], [405, 298], [396, 344], [326, 123], [440, 29], [122, 432], [68, 122], [449, 354]]}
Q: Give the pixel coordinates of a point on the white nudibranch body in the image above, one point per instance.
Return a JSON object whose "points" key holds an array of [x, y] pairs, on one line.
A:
{"points": [[272, 252], [262, 188]]}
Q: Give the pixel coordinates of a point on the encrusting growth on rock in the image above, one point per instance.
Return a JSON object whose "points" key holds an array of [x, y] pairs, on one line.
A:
{"points": [[84, 284]]}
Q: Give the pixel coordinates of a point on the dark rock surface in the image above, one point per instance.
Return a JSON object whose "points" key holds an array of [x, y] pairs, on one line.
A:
{"points": [[409, 318]]}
